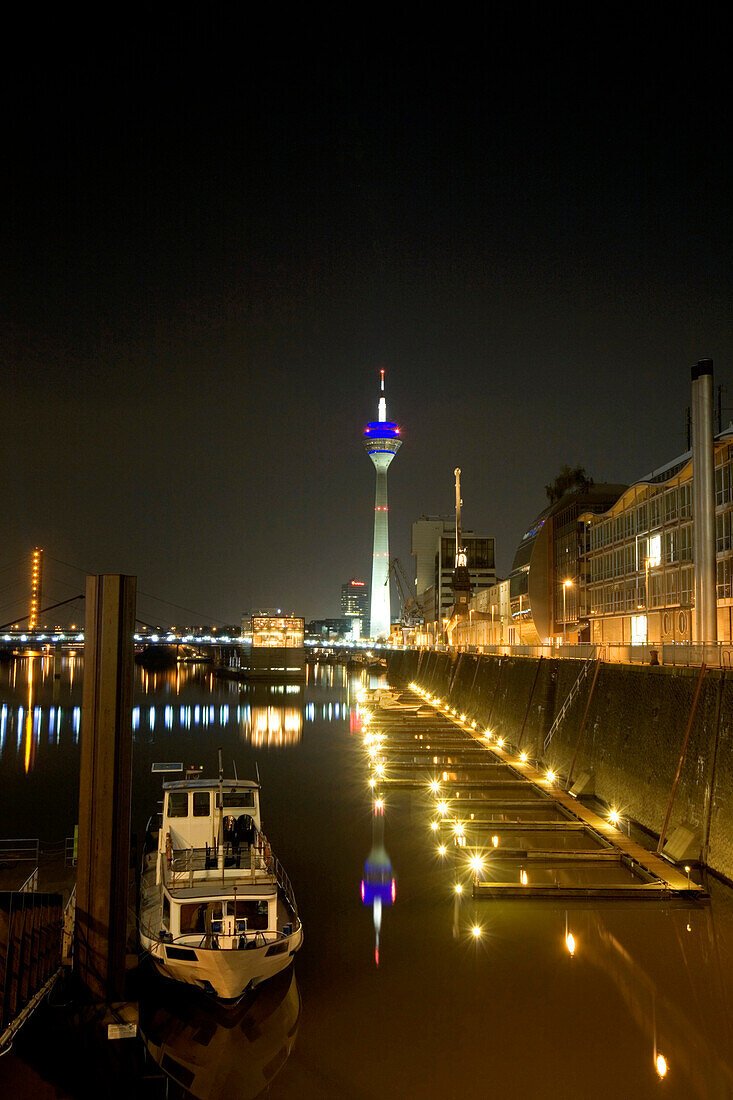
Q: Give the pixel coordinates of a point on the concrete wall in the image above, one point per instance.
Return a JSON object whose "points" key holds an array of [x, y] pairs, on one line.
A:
{"points": [[633, 735]]}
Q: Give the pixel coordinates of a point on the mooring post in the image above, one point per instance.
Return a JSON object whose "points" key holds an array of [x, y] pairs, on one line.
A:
{"points": [[104, 786]]}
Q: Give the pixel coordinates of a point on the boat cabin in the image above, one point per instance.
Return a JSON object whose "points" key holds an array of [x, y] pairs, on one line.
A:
{"points": [[191, 811]]}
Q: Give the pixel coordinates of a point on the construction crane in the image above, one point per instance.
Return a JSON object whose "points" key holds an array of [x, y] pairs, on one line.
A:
{"points": [[411, 609]]}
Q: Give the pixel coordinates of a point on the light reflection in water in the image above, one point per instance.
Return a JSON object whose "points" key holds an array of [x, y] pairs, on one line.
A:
{"points": [[215, 1051], [267, 714], [378, 887]]}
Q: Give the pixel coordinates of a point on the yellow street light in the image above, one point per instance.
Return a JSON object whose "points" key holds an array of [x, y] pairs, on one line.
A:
{"points": [[565, 585]]}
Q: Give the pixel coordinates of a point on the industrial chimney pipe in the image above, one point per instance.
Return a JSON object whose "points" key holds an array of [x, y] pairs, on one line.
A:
{"points": [[703, 494]]}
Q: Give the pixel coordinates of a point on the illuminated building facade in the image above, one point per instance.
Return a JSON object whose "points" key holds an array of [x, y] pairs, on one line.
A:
{"points": [[355, 605], [547, 584], [641, 556], [277, 645], [381, 442]]}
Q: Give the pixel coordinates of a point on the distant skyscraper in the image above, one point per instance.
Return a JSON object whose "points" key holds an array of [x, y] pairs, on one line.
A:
{"points": [[382, 442], [355, 604]]}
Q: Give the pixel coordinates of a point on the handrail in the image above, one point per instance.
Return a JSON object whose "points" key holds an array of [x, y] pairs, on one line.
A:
{"points": [[30, 886], [569, 700], [21, 849], [249, 936], [185, 861], [69, 921]]}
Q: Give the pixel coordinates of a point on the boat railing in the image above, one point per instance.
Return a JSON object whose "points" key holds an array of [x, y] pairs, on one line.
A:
{"points": [[243, 940], [182, 865], [185, 865]]}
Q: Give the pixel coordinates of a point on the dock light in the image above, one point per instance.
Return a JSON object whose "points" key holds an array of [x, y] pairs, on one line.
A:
{"points": [[495, 841], [379, 806], [463, 717], [488, 734], [380, 770], [435, 786], [458, 888], [434, 826], [458, 828], [523, 877], [473, 725], [477, 864], [660, 1064], [442, 808], [614, 816], [551, 777], [570, 943], [442, 850], [372, 782], [687, 872], [500, 742], [524, 757], [476, 931]]}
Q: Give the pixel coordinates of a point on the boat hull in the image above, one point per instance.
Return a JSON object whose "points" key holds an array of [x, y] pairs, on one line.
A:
{"points": [[226, 974]]}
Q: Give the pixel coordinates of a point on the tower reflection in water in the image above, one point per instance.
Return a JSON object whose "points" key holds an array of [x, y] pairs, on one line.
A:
{"points": [[213, 1051], [378, 884]]}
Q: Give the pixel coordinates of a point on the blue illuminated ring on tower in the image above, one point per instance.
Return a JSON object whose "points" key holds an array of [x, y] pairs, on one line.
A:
{"points": [[382, 429]]}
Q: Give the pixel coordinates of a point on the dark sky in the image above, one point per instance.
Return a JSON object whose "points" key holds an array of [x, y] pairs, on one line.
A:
{"points": [[214, 235]]}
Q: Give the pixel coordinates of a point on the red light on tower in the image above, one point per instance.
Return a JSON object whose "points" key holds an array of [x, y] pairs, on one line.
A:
{"points": [[36, 584]]}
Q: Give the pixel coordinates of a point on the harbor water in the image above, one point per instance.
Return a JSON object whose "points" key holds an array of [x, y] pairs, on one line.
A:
{"points": [[394, 993]]}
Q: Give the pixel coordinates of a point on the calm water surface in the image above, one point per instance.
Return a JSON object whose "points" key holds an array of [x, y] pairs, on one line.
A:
{"points": [[402, 1002]]}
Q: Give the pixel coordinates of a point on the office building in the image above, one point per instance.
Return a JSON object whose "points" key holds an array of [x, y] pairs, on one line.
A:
{"points": [[355, 605]]}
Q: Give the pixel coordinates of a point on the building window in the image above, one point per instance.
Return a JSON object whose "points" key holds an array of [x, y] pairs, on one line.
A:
{"points": [[672, 588], [722, 485], [686, 499], [724, 579], [642, 519], [670, 505], [655, 550], [638, 629], [655, 511], [686, 585]]}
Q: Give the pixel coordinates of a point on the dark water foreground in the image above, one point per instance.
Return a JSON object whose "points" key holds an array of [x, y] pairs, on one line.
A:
{"points": [[441, 1013]]}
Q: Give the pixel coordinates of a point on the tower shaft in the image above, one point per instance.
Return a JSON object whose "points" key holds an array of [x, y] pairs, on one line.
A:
{"points": [[380, 610], [381, 442]]}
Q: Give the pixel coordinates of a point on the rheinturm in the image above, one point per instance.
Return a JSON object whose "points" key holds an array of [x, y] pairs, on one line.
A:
{"points": [[382, 442]]}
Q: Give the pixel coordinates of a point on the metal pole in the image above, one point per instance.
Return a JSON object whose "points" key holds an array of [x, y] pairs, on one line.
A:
{"points": [[688, 731], [529, 703], [582, 724]]}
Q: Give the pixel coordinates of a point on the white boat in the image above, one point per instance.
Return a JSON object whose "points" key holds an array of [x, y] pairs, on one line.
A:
{"points": [[216, 907]]}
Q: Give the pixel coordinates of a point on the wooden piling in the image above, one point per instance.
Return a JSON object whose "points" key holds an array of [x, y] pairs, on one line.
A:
{"points": [[104, 787]]}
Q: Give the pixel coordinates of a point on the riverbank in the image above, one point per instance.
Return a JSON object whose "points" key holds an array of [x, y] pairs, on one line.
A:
{"points": [[623, 733]]}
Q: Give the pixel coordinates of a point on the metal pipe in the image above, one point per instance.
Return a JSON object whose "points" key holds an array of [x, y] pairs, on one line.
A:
{"points": [[703, 493], [683, 752]]}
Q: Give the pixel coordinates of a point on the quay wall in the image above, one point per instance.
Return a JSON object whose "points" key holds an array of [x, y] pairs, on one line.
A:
{"points": [[633, 735]]}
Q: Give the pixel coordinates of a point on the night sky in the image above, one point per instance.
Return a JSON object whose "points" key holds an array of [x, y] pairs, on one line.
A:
{"points": [[214, 235]]}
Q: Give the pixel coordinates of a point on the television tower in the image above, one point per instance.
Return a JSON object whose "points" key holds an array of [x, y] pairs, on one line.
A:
{"points": [[382, 442]]}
